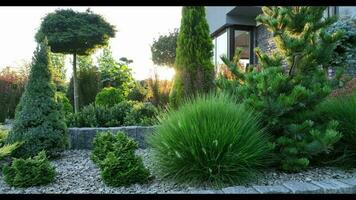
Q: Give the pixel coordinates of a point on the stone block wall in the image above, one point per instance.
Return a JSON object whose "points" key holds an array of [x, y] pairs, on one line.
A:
{"points": [[82, 138]]}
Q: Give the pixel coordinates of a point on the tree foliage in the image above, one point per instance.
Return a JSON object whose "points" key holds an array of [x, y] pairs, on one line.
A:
{"points": [[163, 49], [72, 32], [194, 69], [39, 122], [287, 99], [115, 74]]}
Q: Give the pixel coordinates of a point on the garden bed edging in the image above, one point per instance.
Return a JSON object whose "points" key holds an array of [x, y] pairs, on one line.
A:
{"points": [[82, 138]]}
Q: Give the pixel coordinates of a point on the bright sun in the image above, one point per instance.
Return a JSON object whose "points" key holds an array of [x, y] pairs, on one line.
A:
{"points": [[165, 73]]}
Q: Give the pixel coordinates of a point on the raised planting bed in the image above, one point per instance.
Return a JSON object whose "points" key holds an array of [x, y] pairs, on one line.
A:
{"points": [[81, 138], [78, 174]]}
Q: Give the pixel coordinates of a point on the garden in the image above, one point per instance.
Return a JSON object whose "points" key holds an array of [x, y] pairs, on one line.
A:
{"points": [[283, 125]]}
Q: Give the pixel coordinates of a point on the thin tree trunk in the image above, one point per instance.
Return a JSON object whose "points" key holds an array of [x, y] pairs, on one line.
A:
{"points": [[75, 84]]}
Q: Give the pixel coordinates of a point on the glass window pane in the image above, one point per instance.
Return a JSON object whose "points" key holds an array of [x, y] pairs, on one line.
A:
{"points": [[221, 49], [347, 10], [242, 40]]}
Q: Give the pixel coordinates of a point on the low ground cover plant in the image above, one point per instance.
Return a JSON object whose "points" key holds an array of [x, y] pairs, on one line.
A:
{"points": [[29, 172], [115, 156], [210, 140], [6, 149]]}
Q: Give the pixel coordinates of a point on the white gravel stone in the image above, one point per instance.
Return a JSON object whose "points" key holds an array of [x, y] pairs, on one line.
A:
{"points": [[76, 173]]}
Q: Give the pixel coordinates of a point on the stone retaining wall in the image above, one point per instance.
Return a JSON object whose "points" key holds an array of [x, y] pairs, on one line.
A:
{"points": [[81, 138]]}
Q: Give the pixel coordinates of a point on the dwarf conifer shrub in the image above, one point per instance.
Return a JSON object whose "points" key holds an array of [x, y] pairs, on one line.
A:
{"points": [[39, 122], [115, 156], [210, 140], [29, 172]]}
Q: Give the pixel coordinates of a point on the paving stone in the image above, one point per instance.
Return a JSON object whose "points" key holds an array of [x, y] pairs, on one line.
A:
{"points": [[351, 182], [275, 189], [333, 186], [206, 192], [302, 187], [240, 190]]}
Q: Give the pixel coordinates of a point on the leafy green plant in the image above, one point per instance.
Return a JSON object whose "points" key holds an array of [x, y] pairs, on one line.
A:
{"points": [[115, 155], [210, 140], [6, 149], [138, 93], [141, 114], [39, 123], [345, 51], [67, 108], [29, 172], [342, 109], [109, 96]]}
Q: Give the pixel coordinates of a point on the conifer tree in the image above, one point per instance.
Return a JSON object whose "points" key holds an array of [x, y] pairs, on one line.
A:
{"points": [[194, 69], [286, 97], [39, 123]]}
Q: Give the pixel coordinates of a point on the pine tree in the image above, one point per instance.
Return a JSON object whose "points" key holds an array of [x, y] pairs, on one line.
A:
{"points": [[194, 69], [286, 97], [39, 123]]}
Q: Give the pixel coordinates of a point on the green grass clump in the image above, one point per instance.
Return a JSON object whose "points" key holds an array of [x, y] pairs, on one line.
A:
{"points": [[29, 172], [343, 110], [210, 140]]}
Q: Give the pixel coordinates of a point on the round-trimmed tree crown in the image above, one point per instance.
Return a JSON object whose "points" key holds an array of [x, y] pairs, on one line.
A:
{"points": [[72, 32]]}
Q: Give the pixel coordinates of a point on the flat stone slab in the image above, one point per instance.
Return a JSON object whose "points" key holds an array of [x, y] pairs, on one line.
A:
{"points": [[302, 187], [239, 190], [351, 182], [333, 186], [275, 189]]}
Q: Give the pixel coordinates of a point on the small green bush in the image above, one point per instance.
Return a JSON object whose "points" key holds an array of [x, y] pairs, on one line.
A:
{"points": [[6, 149], [123, 113], [62, 99], [109, 96], [143, 114], [29, 172], [210, 140], [115, 155]]}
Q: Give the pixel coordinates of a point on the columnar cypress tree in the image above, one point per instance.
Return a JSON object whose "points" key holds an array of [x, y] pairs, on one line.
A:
{"points": [[38, 120], [194, 69]]}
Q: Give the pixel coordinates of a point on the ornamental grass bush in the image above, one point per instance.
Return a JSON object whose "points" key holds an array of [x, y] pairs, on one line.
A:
{"points": [[115, 156], [343, 110], [30, 172], [210, 140]]}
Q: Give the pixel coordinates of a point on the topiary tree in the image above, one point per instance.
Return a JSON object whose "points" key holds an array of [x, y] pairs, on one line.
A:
{"points": [[39, 123], [194, 69], [77, 33], [163, 49]]}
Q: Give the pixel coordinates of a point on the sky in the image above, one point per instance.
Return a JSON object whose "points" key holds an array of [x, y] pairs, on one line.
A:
{"points": [[137, 27]]}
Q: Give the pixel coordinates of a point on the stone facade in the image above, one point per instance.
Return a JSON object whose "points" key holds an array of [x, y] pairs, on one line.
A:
{"points": [[82, 138]]}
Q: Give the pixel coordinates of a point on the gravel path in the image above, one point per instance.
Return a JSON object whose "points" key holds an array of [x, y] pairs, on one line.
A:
{"points": [[78, 174]]}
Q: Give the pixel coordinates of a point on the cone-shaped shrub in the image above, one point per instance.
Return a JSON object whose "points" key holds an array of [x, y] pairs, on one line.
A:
{"points": [[210, 140], [39, 122], [194, 69]]}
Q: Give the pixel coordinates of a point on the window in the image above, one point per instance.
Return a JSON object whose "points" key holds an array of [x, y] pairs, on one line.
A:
{"points": [[347, 11], [242, 39], [220, 49]]}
